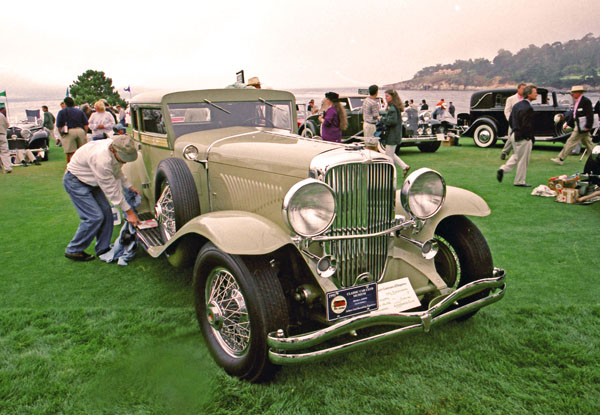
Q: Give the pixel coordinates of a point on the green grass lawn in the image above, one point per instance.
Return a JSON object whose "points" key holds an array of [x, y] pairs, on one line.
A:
{"points": [[96, 338]]}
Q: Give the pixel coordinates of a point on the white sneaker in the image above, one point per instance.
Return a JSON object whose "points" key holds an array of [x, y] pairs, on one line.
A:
{"points": [[557, 161]]}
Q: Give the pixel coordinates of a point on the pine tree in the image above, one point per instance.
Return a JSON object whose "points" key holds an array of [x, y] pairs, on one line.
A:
{"points": [[92, 85]]}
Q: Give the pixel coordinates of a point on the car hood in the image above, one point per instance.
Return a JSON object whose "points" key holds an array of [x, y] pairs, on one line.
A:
{"points": [[268, 150]]}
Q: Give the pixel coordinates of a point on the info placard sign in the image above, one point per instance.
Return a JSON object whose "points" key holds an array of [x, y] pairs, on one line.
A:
{"points": [[396, 296], [351, 301]]}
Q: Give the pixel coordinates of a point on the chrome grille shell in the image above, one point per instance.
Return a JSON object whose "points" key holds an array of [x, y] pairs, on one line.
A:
{"points": [[365, 184]]}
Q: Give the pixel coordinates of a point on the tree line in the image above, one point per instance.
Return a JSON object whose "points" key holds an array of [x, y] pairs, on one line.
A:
{"points": [[560, 65]]}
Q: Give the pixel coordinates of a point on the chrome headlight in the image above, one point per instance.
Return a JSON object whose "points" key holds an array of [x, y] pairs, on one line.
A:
{"points": [[190, 152], [309, 207], [428, 131], [25, 133], [423, 193]]}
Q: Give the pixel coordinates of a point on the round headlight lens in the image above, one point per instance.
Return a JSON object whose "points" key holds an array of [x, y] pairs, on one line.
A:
{"points": [[309, 207], [25, 133], [428, 131], [423, 193], [190, 152]]}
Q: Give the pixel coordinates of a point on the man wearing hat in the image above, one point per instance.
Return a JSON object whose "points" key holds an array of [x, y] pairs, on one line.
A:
{"points": [[94, 178], [254, 82], [581, 120]]}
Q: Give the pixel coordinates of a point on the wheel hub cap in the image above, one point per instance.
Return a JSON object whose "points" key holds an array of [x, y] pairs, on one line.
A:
{"points": [[214, 316]]}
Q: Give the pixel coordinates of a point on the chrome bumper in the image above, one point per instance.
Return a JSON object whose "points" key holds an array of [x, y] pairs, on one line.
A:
{"points": [[289, 350], [420, 138]]}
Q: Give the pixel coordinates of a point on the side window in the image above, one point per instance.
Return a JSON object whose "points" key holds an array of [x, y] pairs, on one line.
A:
{"points": [[500, 100], [153, 121], [134, 119]]}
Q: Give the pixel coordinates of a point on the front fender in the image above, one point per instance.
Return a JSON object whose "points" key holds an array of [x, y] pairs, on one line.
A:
{"points": [[233, 232], [458, 202], [483, 120], [409, 261]]}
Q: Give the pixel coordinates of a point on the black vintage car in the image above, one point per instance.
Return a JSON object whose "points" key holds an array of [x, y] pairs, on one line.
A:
{"points": [[424, 137], [486, 121], [28, 137]]}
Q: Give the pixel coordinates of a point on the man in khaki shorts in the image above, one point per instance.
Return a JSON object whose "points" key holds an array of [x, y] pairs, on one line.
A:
{"points": [[72, 125]]}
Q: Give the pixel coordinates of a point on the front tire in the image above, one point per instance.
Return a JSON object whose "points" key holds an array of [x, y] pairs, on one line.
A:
{"points": [[485, 136], [463, 256], [429, 147], [238, 301]]}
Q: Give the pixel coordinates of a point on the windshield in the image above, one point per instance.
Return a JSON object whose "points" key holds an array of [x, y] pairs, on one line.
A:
{"points": [[356, 102], [192, 117], [564, 98]]}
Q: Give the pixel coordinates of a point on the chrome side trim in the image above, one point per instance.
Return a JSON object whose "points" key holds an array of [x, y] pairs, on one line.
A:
{"points": [[288, 350]]}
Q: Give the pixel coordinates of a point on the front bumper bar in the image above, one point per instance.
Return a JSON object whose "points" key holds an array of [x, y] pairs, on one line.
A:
{"points": [[293, 349]]}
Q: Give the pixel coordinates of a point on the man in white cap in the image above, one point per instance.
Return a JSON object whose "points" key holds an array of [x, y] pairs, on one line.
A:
{"points": [[93, 178], [582, 121]]}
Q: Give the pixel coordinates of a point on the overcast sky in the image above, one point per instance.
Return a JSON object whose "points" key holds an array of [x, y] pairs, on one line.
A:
{"points": [[201, 44]]}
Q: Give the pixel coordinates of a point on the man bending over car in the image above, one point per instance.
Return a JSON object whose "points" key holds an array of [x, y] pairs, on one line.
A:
{"points": [[93, 176]]}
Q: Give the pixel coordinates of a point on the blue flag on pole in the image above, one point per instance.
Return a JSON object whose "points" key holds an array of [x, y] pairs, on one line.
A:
{"points": [[128, 89], [67, 92]]}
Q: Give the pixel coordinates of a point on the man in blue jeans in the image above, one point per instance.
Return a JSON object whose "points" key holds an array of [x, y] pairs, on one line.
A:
{"points": [[93, 178]]}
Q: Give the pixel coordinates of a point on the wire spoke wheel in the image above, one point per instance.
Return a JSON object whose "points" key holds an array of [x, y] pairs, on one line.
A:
{"points": [[227, 313], [239, 301], [165, 212]]}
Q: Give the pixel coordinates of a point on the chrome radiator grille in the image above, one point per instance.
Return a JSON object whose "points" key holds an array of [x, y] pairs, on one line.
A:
{"points": [[365, 204]]}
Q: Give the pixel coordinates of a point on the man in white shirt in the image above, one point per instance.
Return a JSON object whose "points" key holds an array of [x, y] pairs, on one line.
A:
{"points": [[370, 109], [93, 178], [4, 151], [510, 102]]}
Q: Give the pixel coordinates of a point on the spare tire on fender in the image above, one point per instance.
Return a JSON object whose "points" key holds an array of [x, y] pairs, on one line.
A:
{"points": [[176, 196]]}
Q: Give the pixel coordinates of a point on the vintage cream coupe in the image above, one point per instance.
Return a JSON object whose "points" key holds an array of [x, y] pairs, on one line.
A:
{"points": [[301, 249]]}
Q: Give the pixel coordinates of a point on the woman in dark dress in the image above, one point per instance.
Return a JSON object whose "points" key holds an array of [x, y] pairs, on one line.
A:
{"points": [[334, 121], [393, 121]]}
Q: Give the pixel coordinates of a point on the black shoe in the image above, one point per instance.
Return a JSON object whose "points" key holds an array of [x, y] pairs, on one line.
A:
{"points": [[503, 156], [523, 185], [102, 252], [79, 256], [37, 162], [24, 163], [500, 175]]}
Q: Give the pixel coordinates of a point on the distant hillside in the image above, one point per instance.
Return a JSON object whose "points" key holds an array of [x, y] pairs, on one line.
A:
{"points": [[560, 65]]}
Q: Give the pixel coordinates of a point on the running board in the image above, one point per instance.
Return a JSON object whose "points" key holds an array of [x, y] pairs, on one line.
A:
{"points": [[148, 237]]}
